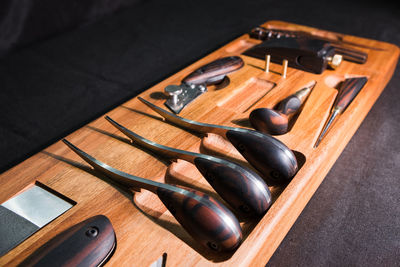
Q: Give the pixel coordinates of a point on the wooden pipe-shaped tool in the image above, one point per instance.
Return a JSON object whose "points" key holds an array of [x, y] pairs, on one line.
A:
{"points": [[240, 187], [276, 121], [348, 90], [88, 243], [207, 220], [273, 159]]}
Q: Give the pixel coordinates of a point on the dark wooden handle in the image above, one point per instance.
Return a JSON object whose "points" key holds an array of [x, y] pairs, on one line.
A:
{"points": [[273, 159], [348, 91], [269, 121], [289, 105], [275, 122], [264, 34], [215, 71], [204, 218], [88, 243], [241, 188], [349, 54], [352, 55]]}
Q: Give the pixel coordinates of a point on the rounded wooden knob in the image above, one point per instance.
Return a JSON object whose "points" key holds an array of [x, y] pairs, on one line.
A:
{"points": [[240, 187], [269, 121], [272, 158], [204, 218]]}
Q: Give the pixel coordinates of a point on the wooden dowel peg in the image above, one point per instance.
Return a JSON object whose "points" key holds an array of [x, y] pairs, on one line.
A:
{"points": [[267, 61], [284, 67]]}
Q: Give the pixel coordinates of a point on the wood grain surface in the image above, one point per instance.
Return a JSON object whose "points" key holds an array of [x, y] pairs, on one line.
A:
{"points": [[144, 227]]}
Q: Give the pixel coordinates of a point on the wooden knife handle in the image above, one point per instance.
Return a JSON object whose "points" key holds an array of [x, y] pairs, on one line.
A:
{"points": [[348, 91], [352, 55], [214, 72], [88, 243]]}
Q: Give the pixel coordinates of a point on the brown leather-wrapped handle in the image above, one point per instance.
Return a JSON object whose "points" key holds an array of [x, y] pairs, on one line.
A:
{"points": [[214, 72], [88, 243]]}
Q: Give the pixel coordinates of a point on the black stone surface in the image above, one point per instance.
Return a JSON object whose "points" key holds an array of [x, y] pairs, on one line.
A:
{"points": [[13, 230]]}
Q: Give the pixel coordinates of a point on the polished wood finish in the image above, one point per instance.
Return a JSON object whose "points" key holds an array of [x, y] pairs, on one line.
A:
{"points": [[348, 91], [311, 55], [215, 71], [242, 188], [276, 162], [336, 42], [279, 121], [207, 220], [272, 158], [144, 228], [88, 243]]}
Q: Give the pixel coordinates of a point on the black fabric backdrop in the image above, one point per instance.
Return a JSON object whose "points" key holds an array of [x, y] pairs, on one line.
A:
{"points": [[64, 63]]}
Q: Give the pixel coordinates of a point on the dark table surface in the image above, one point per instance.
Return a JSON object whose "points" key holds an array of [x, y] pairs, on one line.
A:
{"points": [[56, 83]]}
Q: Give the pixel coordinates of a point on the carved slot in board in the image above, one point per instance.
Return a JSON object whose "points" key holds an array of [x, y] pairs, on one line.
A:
{"points": [[244, 97]]}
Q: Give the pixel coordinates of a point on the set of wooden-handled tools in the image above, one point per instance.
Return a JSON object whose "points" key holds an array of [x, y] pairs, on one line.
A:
{"points": [[244, 189], [206, 219]]}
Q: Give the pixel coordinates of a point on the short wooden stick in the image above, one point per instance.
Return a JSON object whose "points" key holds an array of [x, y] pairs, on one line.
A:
{"points": [[267, 61], [284, 68]]}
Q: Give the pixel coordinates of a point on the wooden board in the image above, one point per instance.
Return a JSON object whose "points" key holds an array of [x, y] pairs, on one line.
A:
{"points": [[144, 228]]}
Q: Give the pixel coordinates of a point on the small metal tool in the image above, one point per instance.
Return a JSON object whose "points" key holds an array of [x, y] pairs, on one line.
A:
{"points": [[347, 92], [273, 159], [195, 84], [182, 95], [239, 186], [207, 220]]}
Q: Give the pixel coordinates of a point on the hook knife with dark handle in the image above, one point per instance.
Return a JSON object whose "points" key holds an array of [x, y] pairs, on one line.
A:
{"points": [[272, 158], [207, 220], [240, 187], [88, 243]]}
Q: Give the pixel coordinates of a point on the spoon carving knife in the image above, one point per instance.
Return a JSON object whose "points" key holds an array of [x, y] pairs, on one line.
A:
{"points": [[240, 187], [273, 159], [207, 220]]}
